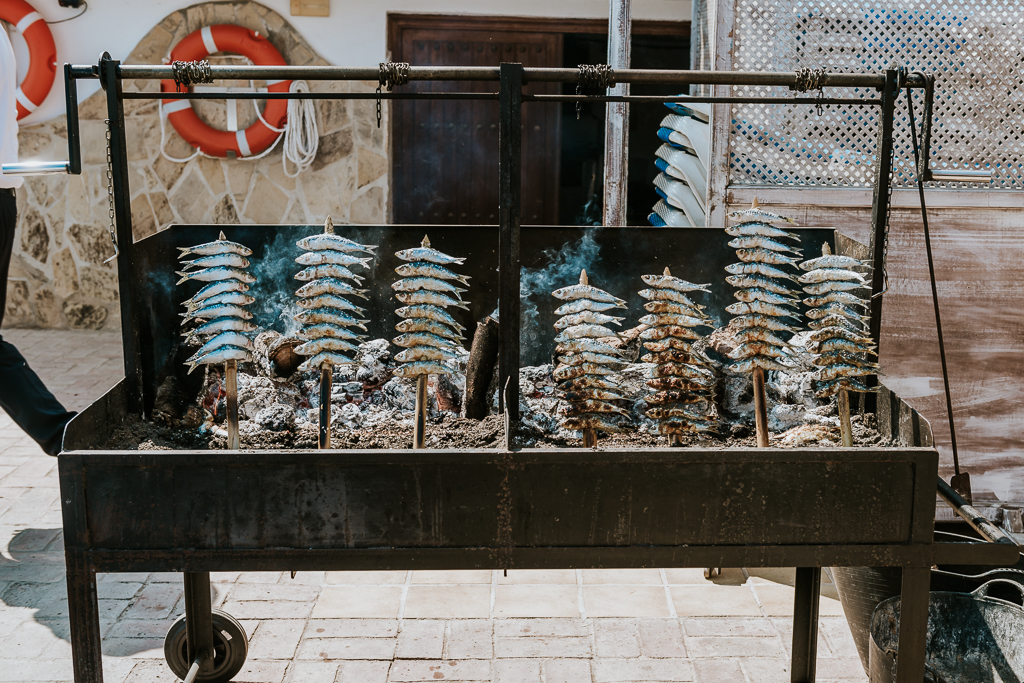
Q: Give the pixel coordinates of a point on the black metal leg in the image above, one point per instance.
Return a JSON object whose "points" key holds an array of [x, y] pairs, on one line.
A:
{"points": [[84, 616], [913, 624], [805, 624], [199, 617], [510, 133]]}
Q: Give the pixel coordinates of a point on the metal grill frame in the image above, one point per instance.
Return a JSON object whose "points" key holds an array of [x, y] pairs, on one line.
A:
{"points": [[915, 553]]}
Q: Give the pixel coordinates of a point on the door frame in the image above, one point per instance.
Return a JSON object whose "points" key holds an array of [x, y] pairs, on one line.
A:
{"points": [[400, 21]]}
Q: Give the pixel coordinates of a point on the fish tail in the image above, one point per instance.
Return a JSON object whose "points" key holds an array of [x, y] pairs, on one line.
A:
{"points": [[184, 251], [191, 367], [184, 276], [462, 305]]}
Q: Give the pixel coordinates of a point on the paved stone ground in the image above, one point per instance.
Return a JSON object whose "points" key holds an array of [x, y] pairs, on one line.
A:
{"points": [[600, 626]]}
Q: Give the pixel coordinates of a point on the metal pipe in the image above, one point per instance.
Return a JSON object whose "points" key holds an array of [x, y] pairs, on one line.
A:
{"points": [[194, 669], [310, 96], [487, 73], [659, 99], [989, 531], [36, 167], [956, 176], [316, 73], [74, 136]]}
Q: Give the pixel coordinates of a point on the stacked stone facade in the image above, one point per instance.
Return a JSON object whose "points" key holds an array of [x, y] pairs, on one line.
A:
{"points": [[58, 278]]}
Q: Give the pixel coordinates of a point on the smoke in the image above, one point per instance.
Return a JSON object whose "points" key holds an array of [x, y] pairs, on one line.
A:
{"points": [[536, 285], [275, 306]]}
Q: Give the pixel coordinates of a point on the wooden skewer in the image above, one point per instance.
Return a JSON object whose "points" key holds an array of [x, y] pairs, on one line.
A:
{"points": [[673, 439], [760, 408], [589, 435], [845, 428], [231, 390], [419, 430], [326, 380]]}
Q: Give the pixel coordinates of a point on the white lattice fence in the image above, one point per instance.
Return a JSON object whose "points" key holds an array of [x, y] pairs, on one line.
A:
{"points": [[973, 48]]}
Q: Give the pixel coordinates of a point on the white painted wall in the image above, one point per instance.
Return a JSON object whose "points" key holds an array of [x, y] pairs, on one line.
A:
{"points": [[354, 34]]}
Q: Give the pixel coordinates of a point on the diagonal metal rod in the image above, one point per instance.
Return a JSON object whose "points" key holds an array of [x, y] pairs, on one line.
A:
{"points": [[931, 275]]}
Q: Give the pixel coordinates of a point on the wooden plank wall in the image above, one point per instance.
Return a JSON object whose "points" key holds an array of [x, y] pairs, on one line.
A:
{"points": [[979, 253]]}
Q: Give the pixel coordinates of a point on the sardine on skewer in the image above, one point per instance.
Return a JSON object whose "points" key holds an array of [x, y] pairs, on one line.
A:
{"points": [[328, 315], [430, 335], [681, 379], [219, 307], [840, 342], [766, 301], [587, 365]]}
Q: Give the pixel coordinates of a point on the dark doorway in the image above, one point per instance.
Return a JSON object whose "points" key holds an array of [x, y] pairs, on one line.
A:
{"points": [[444, 154]]}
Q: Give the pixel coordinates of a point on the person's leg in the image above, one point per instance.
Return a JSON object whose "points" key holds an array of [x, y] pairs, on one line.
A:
{"points": [[22, 394], [29, 403]]}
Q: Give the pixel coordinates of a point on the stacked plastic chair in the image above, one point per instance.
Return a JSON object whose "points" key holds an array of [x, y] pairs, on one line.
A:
{"points": [[683, 161]]}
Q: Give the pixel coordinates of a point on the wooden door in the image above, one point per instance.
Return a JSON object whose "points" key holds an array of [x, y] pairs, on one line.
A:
{"points": [[445, 153]]}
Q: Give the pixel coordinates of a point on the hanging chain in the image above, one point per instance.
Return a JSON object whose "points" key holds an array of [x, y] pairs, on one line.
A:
{"points": [[592, 77], [811, 79], [189, 73], [888, 196], [390, 75], [110, 198]]}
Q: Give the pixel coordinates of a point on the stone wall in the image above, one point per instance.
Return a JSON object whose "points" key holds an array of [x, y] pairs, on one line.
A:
{"points": [[58, 278]]}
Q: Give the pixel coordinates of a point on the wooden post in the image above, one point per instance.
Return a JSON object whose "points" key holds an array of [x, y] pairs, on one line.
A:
{"points": [[616, 135], [231, 389], [419, 430], [326, 378], [760, 408], [844, 418]]}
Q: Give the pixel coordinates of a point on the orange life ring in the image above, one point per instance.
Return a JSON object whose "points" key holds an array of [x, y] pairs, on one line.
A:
{"points": [[42, 54], [239, 40]]}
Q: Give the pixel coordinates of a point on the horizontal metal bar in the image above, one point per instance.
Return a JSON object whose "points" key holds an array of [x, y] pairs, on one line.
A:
{"points": [[989, 531], [487, 73], [310, 96], [624, 557], [317, 73], [748, 78], [717, 100], [36, 167], [958, 176]]}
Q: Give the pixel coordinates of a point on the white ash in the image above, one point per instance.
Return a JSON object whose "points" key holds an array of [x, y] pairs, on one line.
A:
{"points": [[365, 396]]}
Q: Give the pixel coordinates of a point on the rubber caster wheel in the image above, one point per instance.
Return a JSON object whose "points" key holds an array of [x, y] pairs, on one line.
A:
{"points": [[230, 647], [712, 572]]}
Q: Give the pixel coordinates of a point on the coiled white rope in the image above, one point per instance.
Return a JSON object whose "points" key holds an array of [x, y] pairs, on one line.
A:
{"points": [[300, 134]]}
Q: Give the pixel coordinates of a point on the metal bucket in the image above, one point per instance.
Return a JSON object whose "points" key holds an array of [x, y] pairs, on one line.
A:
{"points": [[862, 589], [972, 638]]}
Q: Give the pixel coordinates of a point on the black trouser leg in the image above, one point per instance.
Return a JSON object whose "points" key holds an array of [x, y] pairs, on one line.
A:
{"points": [[22, 394], [29, 403]]}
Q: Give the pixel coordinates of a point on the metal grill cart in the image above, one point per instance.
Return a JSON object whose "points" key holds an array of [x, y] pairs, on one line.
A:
{"points": [[197, 512]]}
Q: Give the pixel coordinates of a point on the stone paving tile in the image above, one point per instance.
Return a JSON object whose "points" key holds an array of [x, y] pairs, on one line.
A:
{"points": [[550, 626]]}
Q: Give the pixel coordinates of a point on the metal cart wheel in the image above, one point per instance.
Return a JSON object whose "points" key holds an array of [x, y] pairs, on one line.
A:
{"points": [[230, 646]]}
